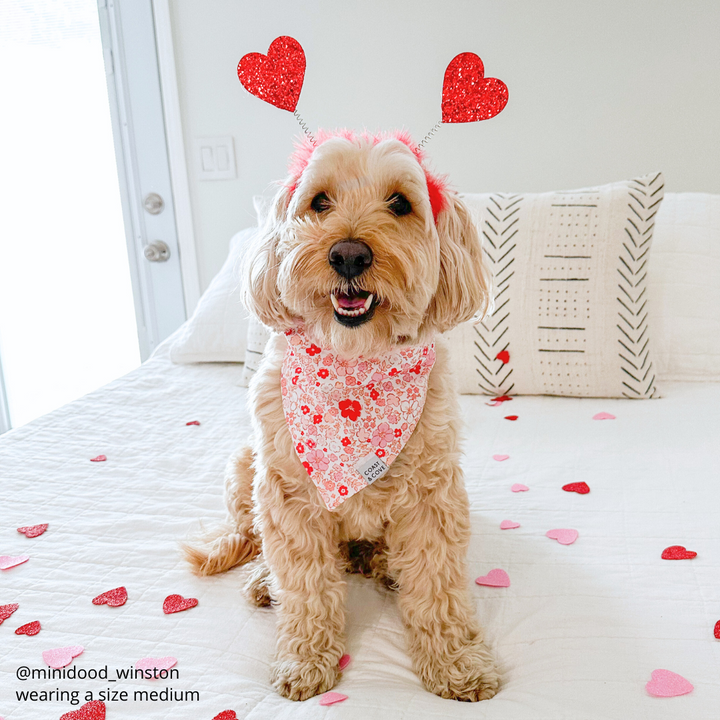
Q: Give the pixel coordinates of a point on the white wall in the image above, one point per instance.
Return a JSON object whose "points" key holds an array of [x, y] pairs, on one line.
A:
{"points": [[599, 91]]}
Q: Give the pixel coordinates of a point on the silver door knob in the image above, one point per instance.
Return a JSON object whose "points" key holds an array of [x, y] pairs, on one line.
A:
{"points": [[153, 203], [157, 251]]}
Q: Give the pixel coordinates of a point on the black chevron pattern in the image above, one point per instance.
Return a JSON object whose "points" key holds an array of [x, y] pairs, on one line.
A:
{"points": [[499, 230], [633, 342]]}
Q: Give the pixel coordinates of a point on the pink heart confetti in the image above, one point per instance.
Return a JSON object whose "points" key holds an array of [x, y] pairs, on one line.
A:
{"points": [[113, 598], [664, 683], [153, 666], [8, 561], [226, 715], [6, 611], [177, 603], [501, 458], [62, 657], [495, 578], [31, 628], [193, 422], [519, 487], [344, 661], [32, 531], [509, 525], [94, 710], [603, 416], [330, 698], [99, 458], [565, 536]]}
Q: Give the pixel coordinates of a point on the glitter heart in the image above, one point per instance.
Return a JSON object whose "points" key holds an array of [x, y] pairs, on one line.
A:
{"points": [[495, 578], [580, 488], [94, 710], [716, 631], [677, 552], [7, 561], [177, 603], [6, 611], [99, 458], [519, 487], [192, 422], [32, 531], [511, 417], [31, 628], [61, 657], [344, 662], [664, 683], [565, 536], [501, 458], [603, 416], [226, 715], [277, 78], [330, 698], [468, 96], [499, 400], [509, 525], [113, 598], [503, 356], [150, 665]]}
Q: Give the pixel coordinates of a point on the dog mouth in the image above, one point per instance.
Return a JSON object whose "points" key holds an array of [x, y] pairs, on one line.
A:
{"points": [[354, 307]]}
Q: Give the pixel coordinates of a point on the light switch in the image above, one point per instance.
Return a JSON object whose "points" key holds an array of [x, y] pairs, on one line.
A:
{"points": [[215, 158]]}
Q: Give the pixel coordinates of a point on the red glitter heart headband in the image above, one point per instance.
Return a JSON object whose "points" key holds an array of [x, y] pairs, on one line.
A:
{"points": [[277, 78]]}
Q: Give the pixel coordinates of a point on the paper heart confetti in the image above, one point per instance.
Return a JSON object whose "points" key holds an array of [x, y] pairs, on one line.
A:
{"points": [[509, 525], [501, 458], [8, 561], [277, 78], [495, 578], [565, 536], [344, 661], [716, 631], [99, 458], [148, 663], [33, 531], [61, 657], [226, 715], [519, 487], [113, 598], [511, 417], [580, 488], [664, 683], [603, 416], [94, 710], [468, 96], [330, 698], [503, 356], [6, 611], [31, 628], [677, 552], [192, 422], [177, 603]]}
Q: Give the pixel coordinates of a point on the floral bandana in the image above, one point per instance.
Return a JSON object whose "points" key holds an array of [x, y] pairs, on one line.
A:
{"points": [[349, 419]]}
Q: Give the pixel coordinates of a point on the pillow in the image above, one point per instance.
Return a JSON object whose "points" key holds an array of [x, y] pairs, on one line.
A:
{"points": [[571, 310]]}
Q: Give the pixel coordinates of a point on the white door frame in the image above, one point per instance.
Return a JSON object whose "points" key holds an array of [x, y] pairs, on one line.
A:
{"points": [[5, 424]]}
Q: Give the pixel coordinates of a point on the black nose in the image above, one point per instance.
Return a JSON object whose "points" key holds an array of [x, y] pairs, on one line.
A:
{"points": [[350, 258]]}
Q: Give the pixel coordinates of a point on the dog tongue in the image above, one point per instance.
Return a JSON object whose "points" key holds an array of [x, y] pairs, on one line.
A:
{"points": [[344, 301]]}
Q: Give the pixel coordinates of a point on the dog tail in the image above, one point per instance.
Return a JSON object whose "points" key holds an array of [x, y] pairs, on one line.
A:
{"points": [[234, 542]]}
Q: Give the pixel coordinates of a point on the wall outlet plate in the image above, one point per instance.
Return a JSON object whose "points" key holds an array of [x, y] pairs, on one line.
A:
{"points": [[215, 158]]}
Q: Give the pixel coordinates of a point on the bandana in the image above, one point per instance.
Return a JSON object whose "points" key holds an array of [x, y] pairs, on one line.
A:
{"points": [[350, 419]]}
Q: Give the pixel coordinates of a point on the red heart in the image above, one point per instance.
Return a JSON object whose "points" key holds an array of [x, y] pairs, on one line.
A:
{"points": [[276, 78], [6, 611], [580, 488], [113, 598], [511, 417], [99, 458], [468, 96], [677, 552], [717, 630], [32, 628], [32, 531], [94, 710], [177, 603], [503, 356], [226, 715], [193, 422]]}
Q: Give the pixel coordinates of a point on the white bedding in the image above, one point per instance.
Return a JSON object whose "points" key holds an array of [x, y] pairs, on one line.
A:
{"points": [[577, 633]]}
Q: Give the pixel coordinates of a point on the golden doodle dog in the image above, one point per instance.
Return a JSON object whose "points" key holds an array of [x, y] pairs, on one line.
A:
{"points": [[365, 254]]}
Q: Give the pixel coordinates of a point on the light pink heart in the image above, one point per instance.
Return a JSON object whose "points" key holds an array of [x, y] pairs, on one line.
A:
{"points": [[500, 458], [7, 561], [565, 536], [344, 661], [664, 683], [163, 663], [330, 698], [508, 525], [519, 487], [603, 416], [62, 657], [495, 578]]}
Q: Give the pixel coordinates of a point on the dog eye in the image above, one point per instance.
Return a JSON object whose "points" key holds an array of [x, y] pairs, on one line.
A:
{"points": [[321, 203], [399, 205]]}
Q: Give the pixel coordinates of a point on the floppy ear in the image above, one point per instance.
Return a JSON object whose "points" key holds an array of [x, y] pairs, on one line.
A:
{"points": [[260, 269], [464, 285]]}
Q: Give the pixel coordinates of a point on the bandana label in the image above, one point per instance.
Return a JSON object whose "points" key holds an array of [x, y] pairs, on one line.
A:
{"points": [[350, 419]]}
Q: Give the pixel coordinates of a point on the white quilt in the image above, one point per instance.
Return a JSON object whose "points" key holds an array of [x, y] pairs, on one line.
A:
{"points": [[577, 633]]}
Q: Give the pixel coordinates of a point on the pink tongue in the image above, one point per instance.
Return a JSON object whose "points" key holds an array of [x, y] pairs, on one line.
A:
{"points": [[350, 304]]}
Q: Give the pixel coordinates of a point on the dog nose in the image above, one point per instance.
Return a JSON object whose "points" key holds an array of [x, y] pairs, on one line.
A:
{"points": [[350, 258]]}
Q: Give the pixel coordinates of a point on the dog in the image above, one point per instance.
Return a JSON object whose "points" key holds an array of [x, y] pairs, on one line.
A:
{"points": [[365, 253]]}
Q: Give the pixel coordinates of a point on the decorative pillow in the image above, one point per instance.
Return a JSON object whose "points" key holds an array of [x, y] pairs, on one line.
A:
{"points": [[571, 294]]}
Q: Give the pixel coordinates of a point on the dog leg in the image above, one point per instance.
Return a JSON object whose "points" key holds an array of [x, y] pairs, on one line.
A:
{"points": [[427, 548], [257, 585]]}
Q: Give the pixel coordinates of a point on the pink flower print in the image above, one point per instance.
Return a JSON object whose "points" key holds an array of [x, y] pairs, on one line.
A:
{"points": [[300, 448], [380, 402], [397, 432], [387, 386], [392, 417], [382, 436], [308, 467], [350, 380], [328, 484], [393, 400], [413, 393], [328, 360], [374, 394], [332, 412], [380, 452], [377, 377], [363, 436], [333, 457], [317, 419], [430, 357], [323, 373], [318, 459], [313, 350], [337, 476], [345, 441], [311, 443], [305, 409], [345, 367], [343, 490], [363, 367], [350, 409]]}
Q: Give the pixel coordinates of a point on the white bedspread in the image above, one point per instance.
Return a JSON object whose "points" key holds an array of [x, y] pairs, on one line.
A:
{"points": [[577, 633]]}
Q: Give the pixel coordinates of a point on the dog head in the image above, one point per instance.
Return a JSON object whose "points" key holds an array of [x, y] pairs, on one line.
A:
{"points": [[365, 249]]}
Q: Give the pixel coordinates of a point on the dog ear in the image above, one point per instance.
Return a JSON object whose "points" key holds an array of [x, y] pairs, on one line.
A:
{"points": [[463, 289], [260, 269]]}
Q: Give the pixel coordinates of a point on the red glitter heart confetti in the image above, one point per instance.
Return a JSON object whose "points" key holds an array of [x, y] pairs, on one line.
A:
{"points": [[8, 561], [330, 698], [503, 356], [177, 603], [499, 400], [226, 715], [716, 631], [99, 458], [113, 598], [580, 488], [61, 657], [32, 531], [344, 661], [94, 710], [677, 552], [468, 96], [511, 417], [31, 628], [277, 78], [6, 611], [192, 422]]}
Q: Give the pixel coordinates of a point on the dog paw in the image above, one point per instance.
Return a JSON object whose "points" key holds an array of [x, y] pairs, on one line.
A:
{"points": [[303, 679], [469, 675], [257, 586]]}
